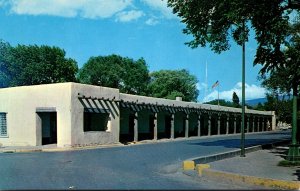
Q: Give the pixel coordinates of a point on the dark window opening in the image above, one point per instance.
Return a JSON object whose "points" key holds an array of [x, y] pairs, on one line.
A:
{"points": [[95, 121], [49, 127], [3, 125]]}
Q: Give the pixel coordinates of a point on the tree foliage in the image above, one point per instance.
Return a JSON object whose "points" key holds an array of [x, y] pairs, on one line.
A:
{"points": [[172, 83], [221, 102], [225, 103], [4, 55], [215, 22], [285, 78], [235, 99], [282, 106], [114, 71], [32, 65]]}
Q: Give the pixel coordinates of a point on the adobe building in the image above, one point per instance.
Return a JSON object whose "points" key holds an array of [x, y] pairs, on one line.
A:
{"points": [[72, 114]]}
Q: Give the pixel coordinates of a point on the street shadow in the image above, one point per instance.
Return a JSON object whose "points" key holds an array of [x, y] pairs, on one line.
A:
{"points": [[283, 132], [281, 152], [297, 173], [233, 143]]}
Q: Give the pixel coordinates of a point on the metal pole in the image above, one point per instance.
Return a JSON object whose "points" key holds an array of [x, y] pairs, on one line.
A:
{"points": [[294, 128], [243, 99], [218, 93], [293, 153]]}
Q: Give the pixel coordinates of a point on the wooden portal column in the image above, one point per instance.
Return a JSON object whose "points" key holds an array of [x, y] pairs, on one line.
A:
{"points": [[219, 124], [172, 126], [187, 126], [234, 125], [268, 125], [136, 127], [199, 126], [248, 121], [209, 124], [155, 126], [227, 125]]}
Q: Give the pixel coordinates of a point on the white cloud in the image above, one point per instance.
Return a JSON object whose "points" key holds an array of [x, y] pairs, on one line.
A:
{"points": [[252, 92], [161, 5], [2, 3], [201, 86], [152, 21], [127, 16], [92, 9]]}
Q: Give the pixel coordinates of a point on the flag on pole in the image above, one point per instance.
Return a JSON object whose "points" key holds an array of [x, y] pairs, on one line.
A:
{"points": [[215, 84]]}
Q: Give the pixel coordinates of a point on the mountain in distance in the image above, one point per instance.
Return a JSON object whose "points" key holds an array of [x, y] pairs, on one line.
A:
{"points": [[254, 102]]}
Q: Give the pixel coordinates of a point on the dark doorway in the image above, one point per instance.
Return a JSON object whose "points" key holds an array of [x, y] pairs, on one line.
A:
{"points": [[49, 127], [127, 137], [168, 121]]}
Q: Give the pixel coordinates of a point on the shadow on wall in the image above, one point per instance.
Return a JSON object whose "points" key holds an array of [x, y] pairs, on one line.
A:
{"points": [[100, 106]]}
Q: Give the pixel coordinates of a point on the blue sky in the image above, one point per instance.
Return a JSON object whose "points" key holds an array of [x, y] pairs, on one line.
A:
{"points": [[132, 28]]}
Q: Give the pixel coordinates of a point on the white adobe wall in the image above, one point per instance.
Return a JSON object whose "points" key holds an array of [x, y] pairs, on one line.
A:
{"points": [[79, 137], [20, 104], [23, 124]]}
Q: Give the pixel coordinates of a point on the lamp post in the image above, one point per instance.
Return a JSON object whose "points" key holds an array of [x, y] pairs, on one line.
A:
{"points": [[243, 95], [293, 153]]}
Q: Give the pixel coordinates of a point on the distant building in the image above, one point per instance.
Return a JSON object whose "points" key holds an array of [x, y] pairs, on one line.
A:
{"points": [[72, 114]]}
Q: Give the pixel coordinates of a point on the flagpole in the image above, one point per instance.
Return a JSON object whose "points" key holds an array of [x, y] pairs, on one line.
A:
{"points": [[218, 93], [206, 79]]}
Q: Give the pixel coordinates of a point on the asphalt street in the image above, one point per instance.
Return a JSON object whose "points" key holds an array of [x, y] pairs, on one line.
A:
{"points": [[142, 166]]}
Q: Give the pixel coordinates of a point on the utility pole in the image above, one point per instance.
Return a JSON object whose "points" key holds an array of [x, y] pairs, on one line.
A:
{"points": [[206, 85], [243, 95], [293, 153]]}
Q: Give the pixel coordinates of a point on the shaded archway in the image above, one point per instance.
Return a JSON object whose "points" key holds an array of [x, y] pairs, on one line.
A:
{"points": [[145, 125], [193, 124], [164, 125], [214, 124], [179, 124], [126, 125], [204, 124]]}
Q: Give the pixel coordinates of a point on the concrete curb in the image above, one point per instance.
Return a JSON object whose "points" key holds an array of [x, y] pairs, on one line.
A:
{"points": [[237, 152], [238, 178]]}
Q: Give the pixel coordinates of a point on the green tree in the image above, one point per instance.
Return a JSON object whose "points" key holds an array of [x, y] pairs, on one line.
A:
{"points": [[221, 102], [260, 107], [114, 71], [32, 65], [216, 22], [172, 83], [4, 55], [235, 99], [281, 106], [284, 79]]}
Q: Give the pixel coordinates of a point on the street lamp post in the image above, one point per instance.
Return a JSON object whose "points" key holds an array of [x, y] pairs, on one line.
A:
{"points": [[243, 96], [293, 153]]}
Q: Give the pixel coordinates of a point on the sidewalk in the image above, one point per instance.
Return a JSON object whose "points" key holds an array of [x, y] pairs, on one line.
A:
{"points": [[258, 168], [51, 148]]}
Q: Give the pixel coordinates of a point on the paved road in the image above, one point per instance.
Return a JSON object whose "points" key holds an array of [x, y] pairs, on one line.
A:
{"points": [[144, 166]]}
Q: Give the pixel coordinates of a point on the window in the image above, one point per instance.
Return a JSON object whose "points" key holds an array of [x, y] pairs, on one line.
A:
{"points": [[95, 121], [3, 125]]}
